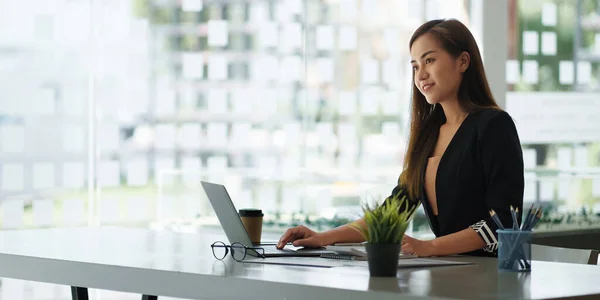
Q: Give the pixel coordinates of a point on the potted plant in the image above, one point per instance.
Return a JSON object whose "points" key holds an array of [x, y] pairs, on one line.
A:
{"points": [[385, 227]]}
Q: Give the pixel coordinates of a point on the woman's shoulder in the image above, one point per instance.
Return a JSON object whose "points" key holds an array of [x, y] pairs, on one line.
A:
{"points": [[487, 117]]}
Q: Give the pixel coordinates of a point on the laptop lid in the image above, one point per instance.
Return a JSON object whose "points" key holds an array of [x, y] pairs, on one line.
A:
{"points": [[226, 213]]}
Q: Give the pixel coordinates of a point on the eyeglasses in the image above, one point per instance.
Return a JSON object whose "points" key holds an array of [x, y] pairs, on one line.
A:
{"points": [[238, 251]]}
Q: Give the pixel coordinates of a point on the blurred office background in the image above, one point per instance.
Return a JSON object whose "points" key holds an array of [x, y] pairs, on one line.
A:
{"points": [[112, 111]]}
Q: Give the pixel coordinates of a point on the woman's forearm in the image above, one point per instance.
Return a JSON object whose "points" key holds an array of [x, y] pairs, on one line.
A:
{"points": [[459, 242], [344, 234]]}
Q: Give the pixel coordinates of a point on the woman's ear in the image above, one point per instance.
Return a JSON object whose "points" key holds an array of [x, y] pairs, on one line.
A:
{"points": [[464, 61]]}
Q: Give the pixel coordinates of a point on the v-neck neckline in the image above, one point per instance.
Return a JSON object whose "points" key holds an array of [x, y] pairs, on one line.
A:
{"points": [[440, 162]]}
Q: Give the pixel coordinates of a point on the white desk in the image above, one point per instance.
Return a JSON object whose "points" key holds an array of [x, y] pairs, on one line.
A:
{"points": [[181, 265]]}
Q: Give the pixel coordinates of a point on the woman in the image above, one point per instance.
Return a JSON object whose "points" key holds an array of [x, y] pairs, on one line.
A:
{"points": [[464, 156]]}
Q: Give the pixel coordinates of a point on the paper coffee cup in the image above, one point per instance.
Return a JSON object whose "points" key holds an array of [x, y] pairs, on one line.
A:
{"points": [[252, 220]]}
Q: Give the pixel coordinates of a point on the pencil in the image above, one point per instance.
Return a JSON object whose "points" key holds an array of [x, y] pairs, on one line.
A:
{"points": [[514, 218], [537, 217], [496, 219], [527, 217]]}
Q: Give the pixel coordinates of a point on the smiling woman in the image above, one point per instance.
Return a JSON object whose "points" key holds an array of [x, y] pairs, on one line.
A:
{"points": [[464, 156]]}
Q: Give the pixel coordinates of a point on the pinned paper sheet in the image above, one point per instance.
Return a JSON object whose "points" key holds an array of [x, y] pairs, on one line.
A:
{"points": [[164, 167], [267, 163], [369, 101], [369, 71], [268, 34], [549, 43], [563, 159], [581, 157], [43, 175], [165, 136], [348, 9], [12, 215], [191, 5], [564, 187], [390, 103], [324, 132], [547, 189], [216, 164], [13, 177], [348, 38], [217, 67], [241, 101], [264, 68], [217, 101], [324, 36], [12, 138], [530, 71], [566, 73], [189, 135], [73, 211], [108, 137], [293, 133], [109, 174], [73, 175], [43, 212], [191, 168], [71, 103], [529, 158], [290, 69], [391, 72], [290, 37], [584, 72], [192, 65], [259, 12], [512, 71], [530, 43], [74, 138], [325, 69], [216, 134], [347, 103], [549, 14], [240, 132], [290, 165], [268, 101], [596, 187], [109, 210], [218, 34]]}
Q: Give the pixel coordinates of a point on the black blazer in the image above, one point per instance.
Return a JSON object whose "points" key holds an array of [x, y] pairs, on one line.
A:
{"points": [[481, 169]]}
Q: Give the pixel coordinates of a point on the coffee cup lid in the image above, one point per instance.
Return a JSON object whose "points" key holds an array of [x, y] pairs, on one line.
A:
{"points": [[250, 212]]}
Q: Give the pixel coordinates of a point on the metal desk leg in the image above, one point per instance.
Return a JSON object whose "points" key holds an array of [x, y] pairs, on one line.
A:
{"points": [[149, 297], [79, 293]]}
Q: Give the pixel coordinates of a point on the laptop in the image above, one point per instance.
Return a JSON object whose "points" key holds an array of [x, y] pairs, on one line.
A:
{"points": [[236, 232]]}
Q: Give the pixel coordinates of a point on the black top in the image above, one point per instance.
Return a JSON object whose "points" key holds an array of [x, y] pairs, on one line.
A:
{"points": [[481, 169]]}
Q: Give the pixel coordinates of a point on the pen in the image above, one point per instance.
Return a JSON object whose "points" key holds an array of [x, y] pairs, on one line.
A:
{"points": [[535, 219]]}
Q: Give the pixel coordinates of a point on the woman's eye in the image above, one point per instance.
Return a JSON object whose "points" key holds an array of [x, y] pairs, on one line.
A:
{"points": [[429, 60], [414, 68]]}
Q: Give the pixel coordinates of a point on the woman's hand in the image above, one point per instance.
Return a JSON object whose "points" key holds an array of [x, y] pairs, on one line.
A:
{"points": [[301, 236], [411, 245]]}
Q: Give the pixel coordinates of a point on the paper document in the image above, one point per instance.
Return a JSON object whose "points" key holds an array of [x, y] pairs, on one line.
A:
{"points": [[359, 250]]}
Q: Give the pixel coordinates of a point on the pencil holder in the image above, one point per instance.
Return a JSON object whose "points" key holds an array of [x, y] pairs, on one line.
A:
{"points": [[514, 250]]}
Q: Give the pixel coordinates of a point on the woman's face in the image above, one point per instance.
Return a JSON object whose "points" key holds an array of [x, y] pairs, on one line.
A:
{"points": [[437, 74]]}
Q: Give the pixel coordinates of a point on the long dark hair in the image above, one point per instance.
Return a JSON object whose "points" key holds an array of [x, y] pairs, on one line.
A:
{"points": [[473, 95]]}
